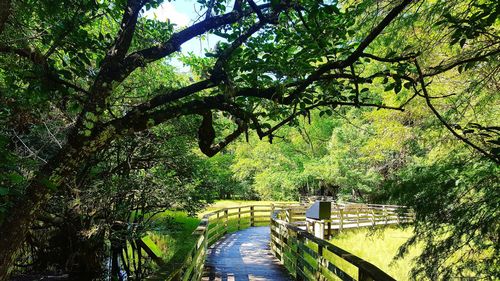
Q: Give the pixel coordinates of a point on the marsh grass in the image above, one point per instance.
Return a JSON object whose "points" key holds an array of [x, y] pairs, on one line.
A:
{"points": [[379, 247]]}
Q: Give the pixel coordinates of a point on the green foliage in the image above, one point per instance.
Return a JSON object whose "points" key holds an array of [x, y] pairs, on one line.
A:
{"points": [[278, 171], [456, 203]]}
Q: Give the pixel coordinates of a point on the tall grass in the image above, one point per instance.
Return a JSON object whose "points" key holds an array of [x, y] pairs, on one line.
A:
{"points": [[379, 247], [173, 243]]}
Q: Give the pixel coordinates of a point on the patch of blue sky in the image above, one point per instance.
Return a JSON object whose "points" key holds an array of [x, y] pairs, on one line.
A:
{"points": [[184, 13]]}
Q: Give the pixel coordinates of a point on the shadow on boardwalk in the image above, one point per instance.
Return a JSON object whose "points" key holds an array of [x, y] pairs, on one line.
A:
{"points": [[244, 256]]}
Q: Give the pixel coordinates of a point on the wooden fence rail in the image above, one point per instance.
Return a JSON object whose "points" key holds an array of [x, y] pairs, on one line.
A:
{"points": [[308, 257], [352, 215]]}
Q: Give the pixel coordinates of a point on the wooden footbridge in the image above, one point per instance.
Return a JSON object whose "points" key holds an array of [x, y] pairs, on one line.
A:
{"points": [[270, 242]]}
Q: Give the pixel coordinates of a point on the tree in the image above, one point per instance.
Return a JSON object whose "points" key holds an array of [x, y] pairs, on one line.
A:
{"points": [[280, 60]]}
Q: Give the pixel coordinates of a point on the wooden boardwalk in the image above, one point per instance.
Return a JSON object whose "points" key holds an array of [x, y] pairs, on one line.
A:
{"points": [[244, 256], [248, 255]]}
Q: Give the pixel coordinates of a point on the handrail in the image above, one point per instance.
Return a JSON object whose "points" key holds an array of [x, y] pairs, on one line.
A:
{"points": [[308, 257]]}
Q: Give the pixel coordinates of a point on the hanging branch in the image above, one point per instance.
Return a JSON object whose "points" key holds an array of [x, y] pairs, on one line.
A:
{"points": [[441, 119]]}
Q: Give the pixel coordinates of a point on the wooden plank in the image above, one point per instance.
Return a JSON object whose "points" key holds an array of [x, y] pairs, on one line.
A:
{"points": [[266, 216], [338, 272], [308, 250]]}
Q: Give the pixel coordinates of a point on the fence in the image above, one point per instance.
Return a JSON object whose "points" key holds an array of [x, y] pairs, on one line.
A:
{"points": [[310, 258], [352, 215]]}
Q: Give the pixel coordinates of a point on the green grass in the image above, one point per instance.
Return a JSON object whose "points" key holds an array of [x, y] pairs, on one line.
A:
{"points": [[174, 244], [379, 248]]}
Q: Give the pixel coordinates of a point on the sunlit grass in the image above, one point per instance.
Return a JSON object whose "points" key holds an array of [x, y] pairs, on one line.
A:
{"points": [[379, 248], [175, 242]]}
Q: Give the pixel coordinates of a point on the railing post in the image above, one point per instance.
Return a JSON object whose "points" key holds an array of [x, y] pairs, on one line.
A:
{"points": [[321, 263], [341, 219], [299, 267], [205, 241], [226, 219], [193, 260], [217, 225], [239, 217], [272, 242], [272, 212], [252, 219], [278, 245], [384, 213], [373, 216], [357, 216]]}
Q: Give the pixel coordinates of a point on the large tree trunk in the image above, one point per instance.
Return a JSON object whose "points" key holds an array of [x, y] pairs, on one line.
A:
{"points": [[14, 228], [20, 216], [51, 176]]}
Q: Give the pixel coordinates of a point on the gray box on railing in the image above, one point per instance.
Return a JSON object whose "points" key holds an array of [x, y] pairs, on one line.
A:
{"points": [[320, 210]]}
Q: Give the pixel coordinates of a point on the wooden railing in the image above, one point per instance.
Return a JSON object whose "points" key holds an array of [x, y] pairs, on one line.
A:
{"points": [[308, 257], [353, 215], [211, 228]]}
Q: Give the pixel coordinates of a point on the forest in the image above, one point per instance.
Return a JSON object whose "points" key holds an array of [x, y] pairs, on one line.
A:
{"points": [[108, 122]]}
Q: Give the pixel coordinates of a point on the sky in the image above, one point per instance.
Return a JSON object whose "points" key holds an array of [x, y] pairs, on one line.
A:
{"points": [[183, 13]]}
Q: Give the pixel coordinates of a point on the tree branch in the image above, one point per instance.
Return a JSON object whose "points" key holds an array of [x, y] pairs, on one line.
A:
{"points": [[142, 57], [206, 135], [225, 55], [396, 59], [257, 10], [330, 104], [111, 66], [443, 68], [354, 55], [217, 76], [38, 59], [441, 119], [127, 29]]}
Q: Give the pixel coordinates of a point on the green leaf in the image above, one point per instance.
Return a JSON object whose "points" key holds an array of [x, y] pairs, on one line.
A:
{"points": [[4, 191], [389, 87], [15, 178], [397, 85], [462, 42]]}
